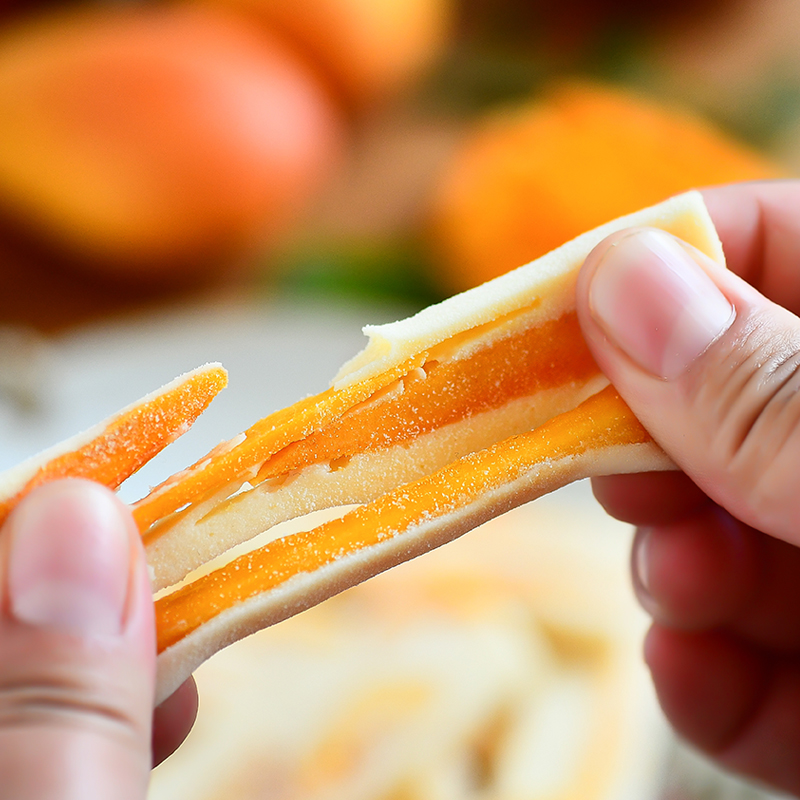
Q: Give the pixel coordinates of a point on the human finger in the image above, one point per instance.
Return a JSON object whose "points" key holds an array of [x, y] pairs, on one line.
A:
{"points": [[736, 703], [173, 719], [698, 572], [77, 654], [708, 570], [649, 498]]}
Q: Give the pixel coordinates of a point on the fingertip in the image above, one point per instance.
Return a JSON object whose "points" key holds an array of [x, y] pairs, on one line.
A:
{"points": [[77, 657]]}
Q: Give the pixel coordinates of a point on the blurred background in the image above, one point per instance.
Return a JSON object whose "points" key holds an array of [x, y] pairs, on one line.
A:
{"points": [[252, 180]]}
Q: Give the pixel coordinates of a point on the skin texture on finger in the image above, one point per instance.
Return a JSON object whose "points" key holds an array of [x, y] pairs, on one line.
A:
{"points": [[731, 418], [75, 706], [173, 720]]}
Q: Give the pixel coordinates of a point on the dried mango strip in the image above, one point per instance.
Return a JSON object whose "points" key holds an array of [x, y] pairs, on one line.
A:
{"points": [[114, 450]]}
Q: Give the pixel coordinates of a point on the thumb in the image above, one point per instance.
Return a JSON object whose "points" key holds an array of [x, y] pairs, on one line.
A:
{"points": [[77, 653], [709, 365]]}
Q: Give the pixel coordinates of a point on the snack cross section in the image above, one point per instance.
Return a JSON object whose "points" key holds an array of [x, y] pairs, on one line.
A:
{"points": [[446, 419]]}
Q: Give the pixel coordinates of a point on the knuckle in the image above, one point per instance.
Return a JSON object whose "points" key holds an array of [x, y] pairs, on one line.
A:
{"points": [[62, 698]]}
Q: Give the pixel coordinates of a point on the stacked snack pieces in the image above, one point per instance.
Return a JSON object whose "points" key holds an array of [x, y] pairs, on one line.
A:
{"points": [[472, 407], [446, 419], [505, 666]]}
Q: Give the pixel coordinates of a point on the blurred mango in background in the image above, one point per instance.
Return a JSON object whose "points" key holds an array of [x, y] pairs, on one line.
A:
{"points": [[160, 144], [532, 176], [363, 50], [174, 144], [153, 141]]}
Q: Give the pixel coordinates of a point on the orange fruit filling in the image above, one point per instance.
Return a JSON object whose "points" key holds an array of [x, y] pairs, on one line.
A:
{"points": [[428, 394], [600, 422], [446, 392], [130, 439]]}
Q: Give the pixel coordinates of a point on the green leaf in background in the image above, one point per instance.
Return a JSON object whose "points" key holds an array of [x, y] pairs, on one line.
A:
{"points": [[393, 271]]}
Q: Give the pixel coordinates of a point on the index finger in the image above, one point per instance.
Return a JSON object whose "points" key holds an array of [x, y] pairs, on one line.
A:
{"points": [[759, 225]]}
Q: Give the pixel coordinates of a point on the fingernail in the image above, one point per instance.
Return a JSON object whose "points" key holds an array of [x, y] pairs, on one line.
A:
{"points": [[69, 560], [642, 555], [656, 304], [640, 559]]}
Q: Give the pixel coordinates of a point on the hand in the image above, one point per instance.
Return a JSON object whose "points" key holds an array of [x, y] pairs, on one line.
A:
{"points": [[710, 366], [77, 652]]}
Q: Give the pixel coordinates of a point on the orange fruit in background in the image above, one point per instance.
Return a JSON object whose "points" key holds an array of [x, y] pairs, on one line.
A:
{"points": [[147, 142], [528, 179], [365, 49]]}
